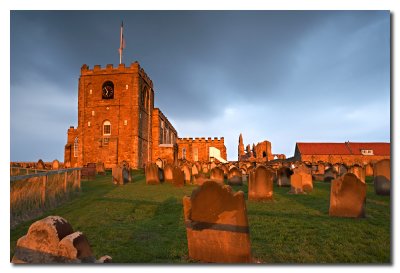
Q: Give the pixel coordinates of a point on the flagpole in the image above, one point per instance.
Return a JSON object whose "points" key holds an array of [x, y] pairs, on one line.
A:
{"points": [[120, 43]]}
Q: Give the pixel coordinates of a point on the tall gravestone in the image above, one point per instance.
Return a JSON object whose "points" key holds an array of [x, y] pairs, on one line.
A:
{"points": [[178, 177], [261, 184], [187, 175], [152, 174], [348, 197], [168, 173], [296, 184], [219, 231], [382, 177]]}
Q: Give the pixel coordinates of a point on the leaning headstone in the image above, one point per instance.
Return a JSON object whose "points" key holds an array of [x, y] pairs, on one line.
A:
{"points": [[348, 197], [219, 231], [261, 184], [217, 174], [283, 177], [178, 177], [168, 173], [152, 175], [235, 176], [296, 184], [382, 177], [52, 240], [55, 165]]}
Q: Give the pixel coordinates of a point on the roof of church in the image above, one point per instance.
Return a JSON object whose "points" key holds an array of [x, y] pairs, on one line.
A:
{"points": [[346, 148]]}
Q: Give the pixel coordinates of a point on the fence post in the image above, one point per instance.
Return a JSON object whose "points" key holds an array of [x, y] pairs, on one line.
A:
{"points": [[44, 181], [79, 180], [65, 182]]}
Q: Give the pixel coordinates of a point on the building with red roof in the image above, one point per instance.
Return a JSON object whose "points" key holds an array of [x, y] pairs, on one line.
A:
{"points": [[348, 152]]}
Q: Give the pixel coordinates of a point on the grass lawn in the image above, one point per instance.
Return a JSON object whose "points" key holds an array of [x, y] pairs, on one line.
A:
{"points": [[139, 223]]}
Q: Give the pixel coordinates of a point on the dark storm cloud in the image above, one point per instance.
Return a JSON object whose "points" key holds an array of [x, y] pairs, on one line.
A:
{"points": [[215, 73]]}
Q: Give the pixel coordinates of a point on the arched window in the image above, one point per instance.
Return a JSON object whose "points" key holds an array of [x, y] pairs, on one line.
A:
{"points": [[264, 154], [106, 128], [183, 153], [76, 146]]}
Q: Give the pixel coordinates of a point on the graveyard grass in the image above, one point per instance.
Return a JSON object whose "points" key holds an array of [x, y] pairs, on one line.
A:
{"points": [[139, 223]]}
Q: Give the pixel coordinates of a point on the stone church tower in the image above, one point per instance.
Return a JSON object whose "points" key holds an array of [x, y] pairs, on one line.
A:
{"points": [[117, 120]]}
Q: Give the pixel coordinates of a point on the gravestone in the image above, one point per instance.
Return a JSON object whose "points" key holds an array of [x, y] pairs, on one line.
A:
{"points": [[52, 240], [296, 184], [261, 184], [199, 178], [306, 180], [195, 170], [186, 171], [178, 177], [204, 168], [219, 231], [369, 170], [100, 168], [160, 163], [168, 173], [358, 171], [348, 197], [152, 175], [234, 176], [283, 177], [330, 174], [55, 165], [217, 175], [225, 169], [121, 175], [382, 180], [40, 165]]}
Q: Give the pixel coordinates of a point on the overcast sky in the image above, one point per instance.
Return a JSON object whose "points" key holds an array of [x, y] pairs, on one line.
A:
{"points": [[286, 77]]}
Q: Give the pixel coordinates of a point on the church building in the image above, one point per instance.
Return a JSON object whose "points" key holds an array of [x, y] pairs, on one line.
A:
{"points": [[117, 122]]}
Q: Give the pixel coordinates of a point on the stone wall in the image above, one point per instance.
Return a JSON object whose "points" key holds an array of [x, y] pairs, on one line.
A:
{"points": [[189, 147]]}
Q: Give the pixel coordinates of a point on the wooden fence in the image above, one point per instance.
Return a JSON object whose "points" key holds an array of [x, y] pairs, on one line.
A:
{"points": [[34, 191]]}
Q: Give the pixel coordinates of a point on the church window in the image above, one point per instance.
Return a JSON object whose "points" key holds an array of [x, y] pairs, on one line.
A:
{"points": [[106, 128], [76, 146]]}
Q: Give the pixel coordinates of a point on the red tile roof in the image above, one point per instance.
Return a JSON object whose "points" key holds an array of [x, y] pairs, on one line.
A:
{"points": [[379, 148], [347, 148]]}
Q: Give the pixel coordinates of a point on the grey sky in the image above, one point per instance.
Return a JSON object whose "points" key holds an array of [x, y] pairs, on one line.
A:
{"points": [[282, 76]]}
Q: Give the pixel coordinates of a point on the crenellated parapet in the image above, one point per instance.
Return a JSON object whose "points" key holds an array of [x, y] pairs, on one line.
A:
{"points": [[121, 68], [201, 140]]}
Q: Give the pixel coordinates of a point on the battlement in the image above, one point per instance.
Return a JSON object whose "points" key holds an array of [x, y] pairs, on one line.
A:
{"points": [[121, 68], [201, 139]]}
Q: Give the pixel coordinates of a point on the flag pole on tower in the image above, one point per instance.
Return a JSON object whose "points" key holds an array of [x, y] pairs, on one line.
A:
{"points": [[121, 42]]}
